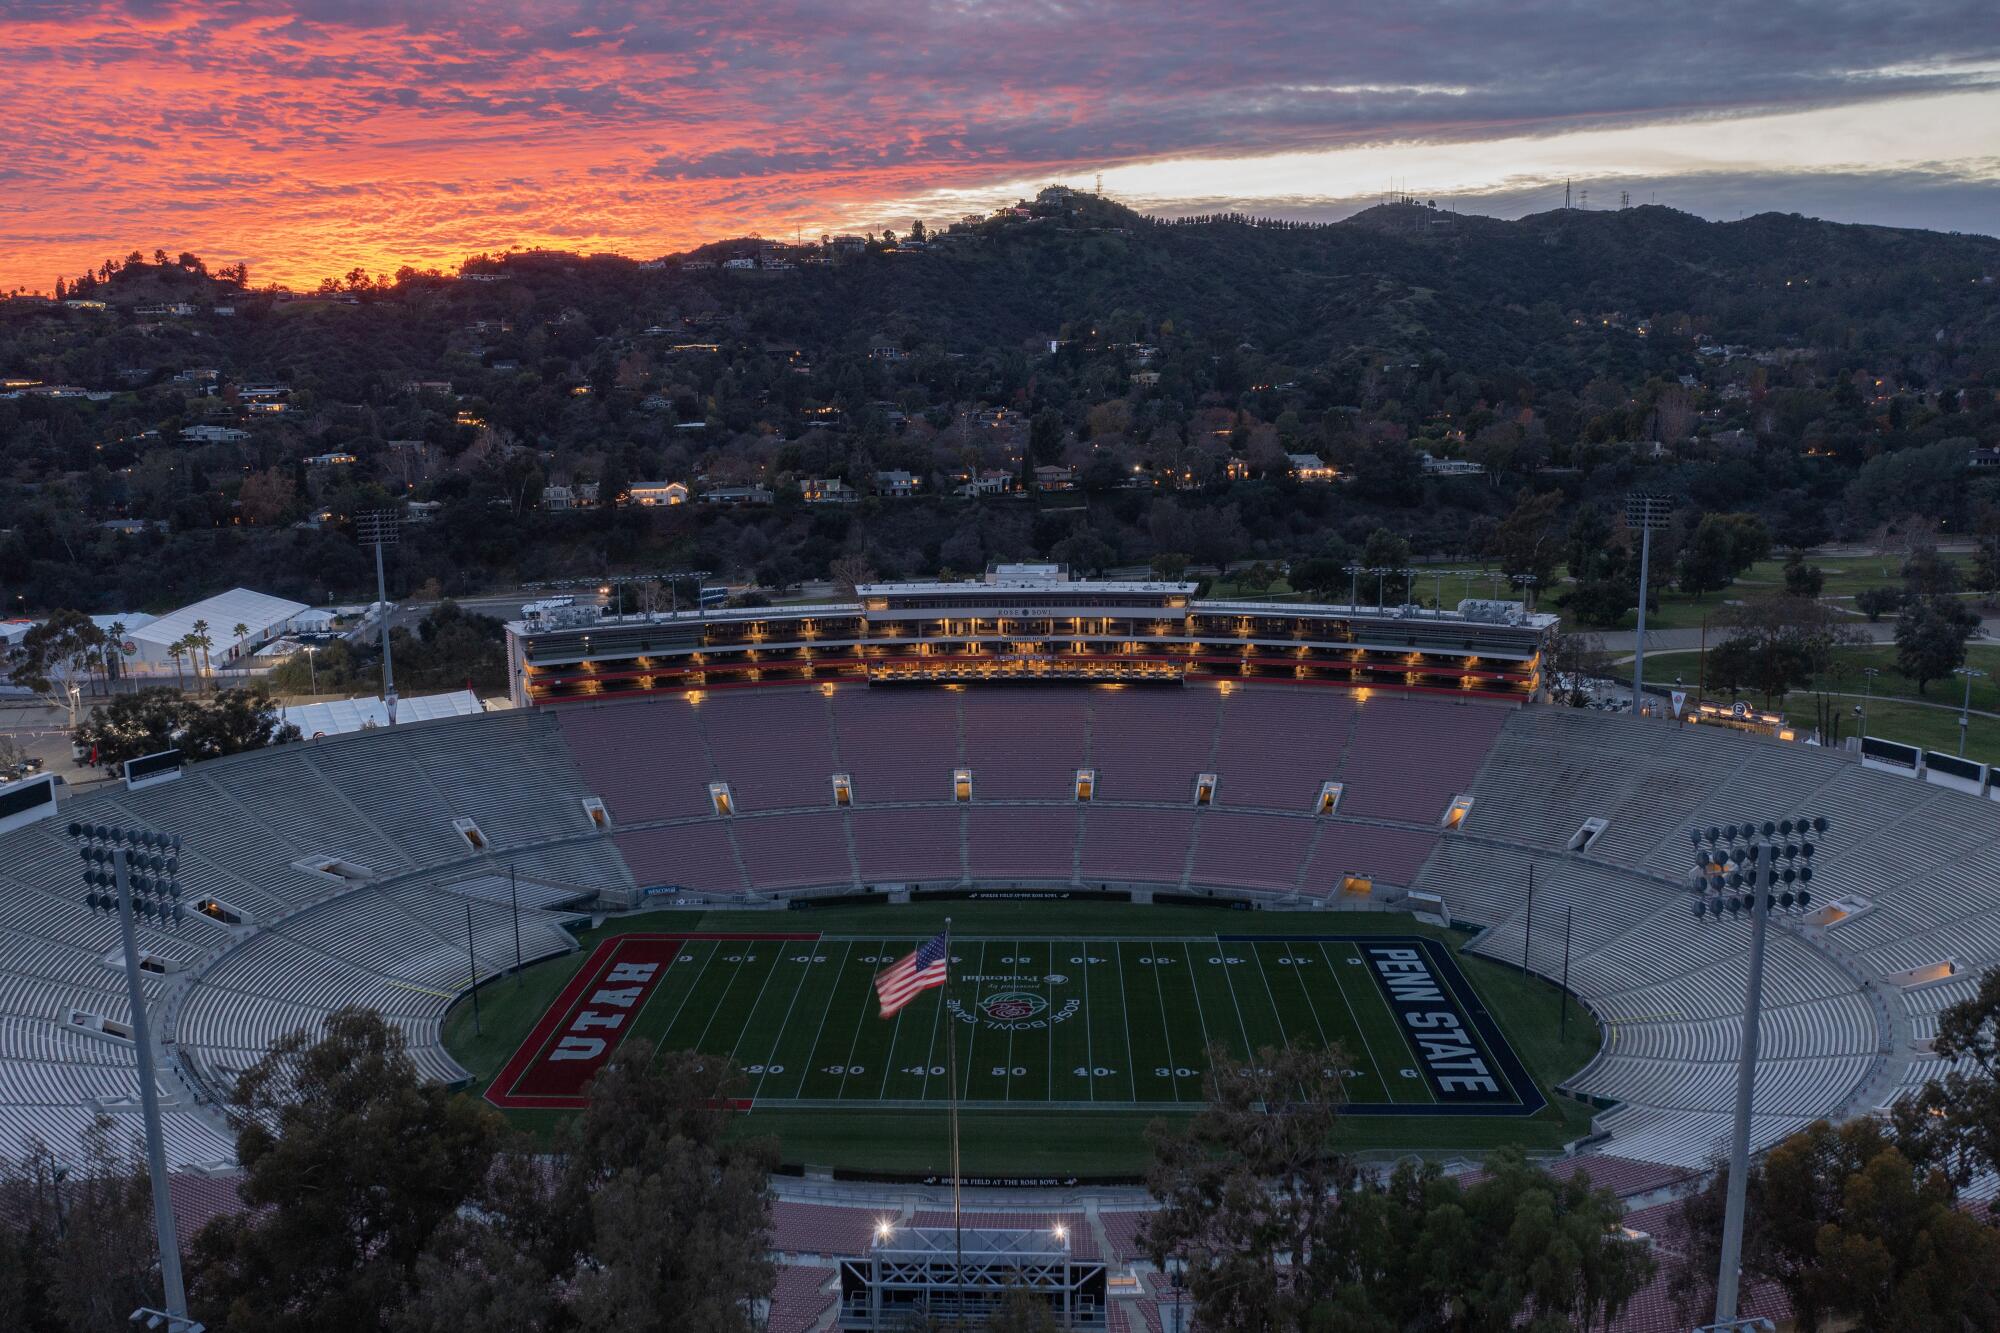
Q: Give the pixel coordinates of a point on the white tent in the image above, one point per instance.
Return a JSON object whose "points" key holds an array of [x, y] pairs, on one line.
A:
{"points": [[335, 716], [263, 616]]}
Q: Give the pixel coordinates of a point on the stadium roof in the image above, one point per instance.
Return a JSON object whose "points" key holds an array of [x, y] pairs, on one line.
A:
{"points": [[336, 716], [223, 612]]}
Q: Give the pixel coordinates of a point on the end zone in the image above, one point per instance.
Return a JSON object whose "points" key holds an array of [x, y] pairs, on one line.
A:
{"points": [[580, 1030]]}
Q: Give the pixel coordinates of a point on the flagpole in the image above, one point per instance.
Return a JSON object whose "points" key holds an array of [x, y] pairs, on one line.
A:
{"points": [[951, 1055]]}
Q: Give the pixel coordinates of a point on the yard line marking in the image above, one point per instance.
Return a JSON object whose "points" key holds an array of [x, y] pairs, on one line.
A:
{"points": [[751, 1013], [725, 991], [1200, 1016], [889, 1056], [1050, 1095], [826, 1009], [861, 1019], [1257, 954], [1298, 974], [1089, 1052], [1166, 1020], [1381, 1070], [937, 1018], [714, 946], [1249, 1051], [962, 1085], [1125, 1016]]}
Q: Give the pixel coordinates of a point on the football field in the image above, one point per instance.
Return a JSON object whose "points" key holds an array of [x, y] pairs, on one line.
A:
{"points": [[1062, 1023]]}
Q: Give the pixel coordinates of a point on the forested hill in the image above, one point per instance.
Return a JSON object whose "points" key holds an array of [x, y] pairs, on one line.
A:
{"points": [[1396, 282], [164, 427]]}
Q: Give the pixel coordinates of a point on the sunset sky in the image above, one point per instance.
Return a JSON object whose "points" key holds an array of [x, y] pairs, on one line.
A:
{"points": [[309, 137]]}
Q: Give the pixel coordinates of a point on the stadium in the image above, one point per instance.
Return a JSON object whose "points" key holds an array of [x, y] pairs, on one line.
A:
{"points": [[1156, 823]]}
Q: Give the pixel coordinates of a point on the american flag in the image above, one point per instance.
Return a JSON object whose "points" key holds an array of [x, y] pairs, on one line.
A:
{"points": [[901, 981]]}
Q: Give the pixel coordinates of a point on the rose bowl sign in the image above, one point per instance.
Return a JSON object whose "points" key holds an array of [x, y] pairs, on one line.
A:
{"points": [[1013, 1011], [1012, 1006]]}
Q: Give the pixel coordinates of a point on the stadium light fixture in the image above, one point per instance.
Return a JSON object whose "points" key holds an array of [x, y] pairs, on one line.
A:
{"points": [[1739, 868], [1965, 709], [1647, 513], [136, 872], [1354, 573], [380, 528], [1868, 675]]}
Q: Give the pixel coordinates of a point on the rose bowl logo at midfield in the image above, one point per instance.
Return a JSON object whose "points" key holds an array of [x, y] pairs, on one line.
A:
{"points": [[1012, 1006]]}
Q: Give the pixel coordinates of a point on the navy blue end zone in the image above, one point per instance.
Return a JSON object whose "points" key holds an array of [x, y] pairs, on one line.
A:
{"points": [[1452, 1038]]}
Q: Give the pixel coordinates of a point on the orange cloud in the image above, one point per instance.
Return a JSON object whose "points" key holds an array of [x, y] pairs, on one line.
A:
{"points": [[312, 136]]}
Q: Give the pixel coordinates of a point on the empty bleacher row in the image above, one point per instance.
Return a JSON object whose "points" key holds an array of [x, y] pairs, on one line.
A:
{"points": [[1272, 750], [387, 931], [1401, 757]]}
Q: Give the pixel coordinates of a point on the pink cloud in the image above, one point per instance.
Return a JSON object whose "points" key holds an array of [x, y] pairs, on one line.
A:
{"points": [[313, 136]]}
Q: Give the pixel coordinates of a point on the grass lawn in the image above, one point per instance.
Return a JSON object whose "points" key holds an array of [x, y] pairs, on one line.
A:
{"points": [[1045, 1078], [1896, 711]]}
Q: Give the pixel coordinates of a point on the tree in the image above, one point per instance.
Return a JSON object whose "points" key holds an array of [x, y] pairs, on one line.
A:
{"points": [[1169, 565], [199, 641], [1250, 1178], [1877, 602], [267, 497], [1954, 1123], [1928, 574], [77, 1248], [54, 655], [1723, 546], [1774, 645], [154, 719], [1986, 564], [667, 1214], [849, 572], [234, 721], [1526, 543], [177, 650], [1320, 577], [1570, 661], [1045, 436], [352, 1164], [1802, 579], [1386, 549], [1855, 1234], [1930, 638]]}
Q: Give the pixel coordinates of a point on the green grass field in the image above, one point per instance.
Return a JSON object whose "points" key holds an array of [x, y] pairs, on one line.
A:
{"points": [[1067, 1043]]}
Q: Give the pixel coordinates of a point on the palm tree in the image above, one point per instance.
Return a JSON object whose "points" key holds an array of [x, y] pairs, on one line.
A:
{"points": [[114, 638], [175, 650], [199, 639], [241, 632]]}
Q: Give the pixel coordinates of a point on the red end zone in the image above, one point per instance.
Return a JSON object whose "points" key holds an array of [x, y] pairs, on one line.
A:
{"points": [[587, 1021]]}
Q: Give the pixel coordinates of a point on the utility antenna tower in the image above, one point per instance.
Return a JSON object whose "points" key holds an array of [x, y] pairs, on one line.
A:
{"points": [[1624, 198], [1565, 194], [1583, 198], [1100, 185], [379, 528]]}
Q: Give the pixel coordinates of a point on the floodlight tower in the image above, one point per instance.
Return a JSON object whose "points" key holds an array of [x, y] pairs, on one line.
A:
{"points": [[1738, 868], [1354, 573], [379, 528], [1647, 513], [117, 864]]}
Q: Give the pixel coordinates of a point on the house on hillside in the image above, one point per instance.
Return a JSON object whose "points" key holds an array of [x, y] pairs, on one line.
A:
{"points": [[652, 494], [897, 484], [827, 491], [1310, 467]]}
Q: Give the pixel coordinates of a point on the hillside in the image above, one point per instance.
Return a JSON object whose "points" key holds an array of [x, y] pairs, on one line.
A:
{"points": [[1167, 367]]}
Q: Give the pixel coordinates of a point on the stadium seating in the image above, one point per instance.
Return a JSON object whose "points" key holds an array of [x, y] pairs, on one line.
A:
{"points": [[1840, 1021]]}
